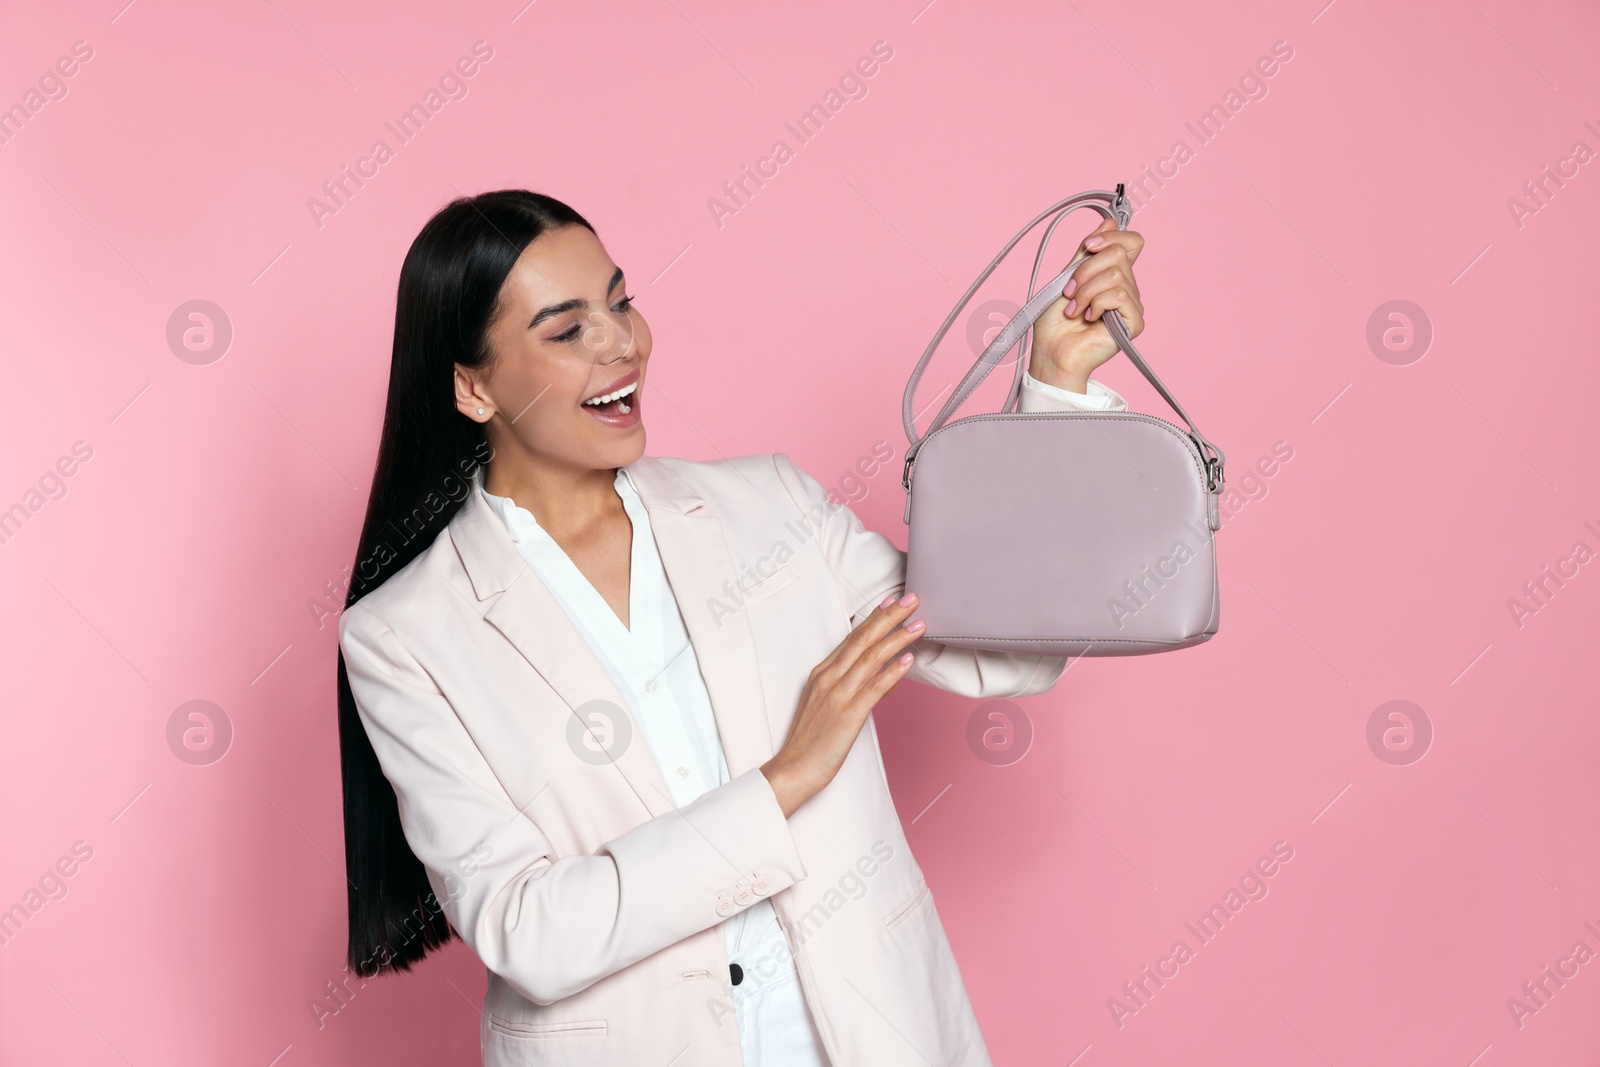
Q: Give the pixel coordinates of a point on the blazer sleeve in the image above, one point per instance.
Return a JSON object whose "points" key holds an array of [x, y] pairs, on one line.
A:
{"points": [[551, 925]]}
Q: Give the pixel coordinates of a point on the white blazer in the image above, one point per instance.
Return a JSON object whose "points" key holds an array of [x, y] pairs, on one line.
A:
{"points": [[595, 903]]}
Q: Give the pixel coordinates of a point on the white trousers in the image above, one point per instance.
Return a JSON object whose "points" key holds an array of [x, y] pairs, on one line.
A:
{"points": [[775, 1025]]}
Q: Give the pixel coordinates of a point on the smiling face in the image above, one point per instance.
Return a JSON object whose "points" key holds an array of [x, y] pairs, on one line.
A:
{"points": [[567, 379]]}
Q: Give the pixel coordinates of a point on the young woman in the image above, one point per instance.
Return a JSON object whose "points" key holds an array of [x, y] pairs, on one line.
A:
{"points": [[607, 716]]}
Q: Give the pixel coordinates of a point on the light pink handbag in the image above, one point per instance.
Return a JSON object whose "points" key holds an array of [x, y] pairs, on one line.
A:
{"points": [[1083, 533]]}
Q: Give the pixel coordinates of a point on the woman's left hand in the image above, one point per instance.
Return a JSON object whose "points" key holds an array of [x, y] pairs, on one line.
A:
{"points": [[1069, 340]]}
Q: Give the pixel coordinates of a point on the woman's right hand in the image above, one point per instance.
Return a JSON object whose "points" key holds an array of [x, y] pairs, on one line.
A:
{"points": [[839, 693]]}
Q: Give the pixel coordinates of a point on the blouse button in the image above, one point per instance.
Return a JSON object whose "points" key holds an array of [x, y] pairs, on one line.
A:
{"points": [[651, 686], [683, 772]]}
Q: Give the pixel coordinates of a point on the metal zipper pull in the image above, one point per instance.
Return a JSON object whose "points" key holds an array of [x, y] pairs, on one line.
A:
{"points": [[905, 481]]}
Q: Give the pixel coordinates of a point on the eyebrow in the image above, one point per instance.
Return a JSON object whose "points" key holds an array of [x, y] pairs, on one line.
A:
{"points": [[571, 305]]}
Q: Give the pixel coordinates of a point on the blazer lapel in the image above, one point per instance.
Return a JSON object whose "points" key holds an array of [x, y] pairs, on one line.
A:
{"points": [[533, 620], [694, 553]]}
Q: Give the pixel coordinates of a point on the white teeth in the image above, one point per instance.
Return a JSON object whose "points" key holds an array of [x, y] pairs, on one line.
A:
{"points": [[626, 390], [625, 406]]}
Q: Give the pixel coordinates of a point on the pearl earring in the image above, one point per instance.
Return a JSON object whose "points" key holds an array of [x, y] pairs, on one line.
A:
{"points": [[480, 411]]}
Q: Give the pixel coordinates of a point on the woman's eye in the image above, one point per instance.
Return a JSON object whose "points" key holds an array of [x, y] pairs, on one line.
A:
{"points": [[624, 306]]}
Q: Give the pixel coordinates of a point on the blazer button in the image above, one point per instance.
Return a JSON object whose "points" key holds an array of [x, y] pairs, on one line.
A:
{"points": [[724, 906], [743, 894], [761, 887]]}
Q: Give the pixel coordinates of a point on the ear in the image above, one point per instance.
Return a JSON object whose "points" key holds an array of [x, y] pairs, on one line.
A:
{"points": [[471, 398]]}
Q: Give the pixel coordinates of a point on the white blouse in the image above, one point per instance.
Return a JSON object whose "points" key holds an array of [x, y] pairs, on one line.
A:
{"points": [[654, 666]]}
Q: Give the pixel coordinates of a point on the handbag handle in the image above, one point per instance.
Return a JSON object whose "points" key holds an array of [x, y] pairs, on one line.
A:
{"points": [[1111, 205]]}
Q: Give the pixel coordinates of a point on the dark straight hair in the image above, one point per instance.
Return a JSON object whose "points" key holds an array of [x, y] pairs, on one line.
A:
{"points": [[448, 296]]}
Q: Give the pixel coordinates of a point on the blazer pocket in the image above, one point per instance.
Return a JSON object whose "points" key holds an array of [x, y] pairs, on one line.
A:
{"points": [[780, 579], [918, 896], [590, 1027]]}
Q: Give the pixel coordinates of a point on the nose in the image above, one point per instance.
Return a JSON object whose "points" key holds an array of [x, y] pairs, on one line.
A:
{"points": [[607, 337]]}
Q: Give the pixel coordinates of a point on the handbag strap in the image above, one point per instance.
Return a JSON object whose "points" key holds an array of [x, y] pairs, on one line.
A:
{"points": [[1111, 205], [1024, 344]]}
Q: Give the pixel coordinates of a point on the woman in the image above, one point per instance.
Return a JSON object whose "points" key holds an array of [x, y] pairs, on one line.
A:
{"points": [[586, 730]]}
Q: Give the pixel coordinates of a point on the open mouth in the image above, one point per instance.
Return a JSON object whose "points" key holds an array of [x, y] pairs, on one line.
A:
{"points": [[617, 405]]}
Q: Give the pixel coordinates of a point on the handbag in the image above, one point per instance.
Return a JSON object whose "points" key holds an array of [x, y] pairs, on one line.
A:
{"points": [[1079, 533]]}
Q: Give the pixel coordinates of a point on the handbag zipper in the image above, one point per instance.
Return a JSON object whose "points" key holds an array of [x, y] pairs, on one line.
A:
{"points": [[1200, 460]]}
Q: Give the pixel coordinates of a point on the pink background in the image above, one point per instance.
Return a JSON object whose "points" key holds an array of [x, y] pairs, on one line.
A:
{"points": [[185, 560]]}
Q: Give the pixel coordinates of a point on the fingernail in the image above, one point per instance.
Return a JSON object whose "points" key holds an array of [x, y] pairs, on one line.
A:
{"points": [[1094, 242], [890, 599], [1072, 307], [1072, 287], [907, 658], [919, 624], [908, 600]]}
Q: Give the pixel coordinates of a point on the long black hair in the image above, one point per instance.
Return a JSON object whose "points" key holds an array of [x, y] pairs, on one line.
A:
{"points": [[448, 297]]}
